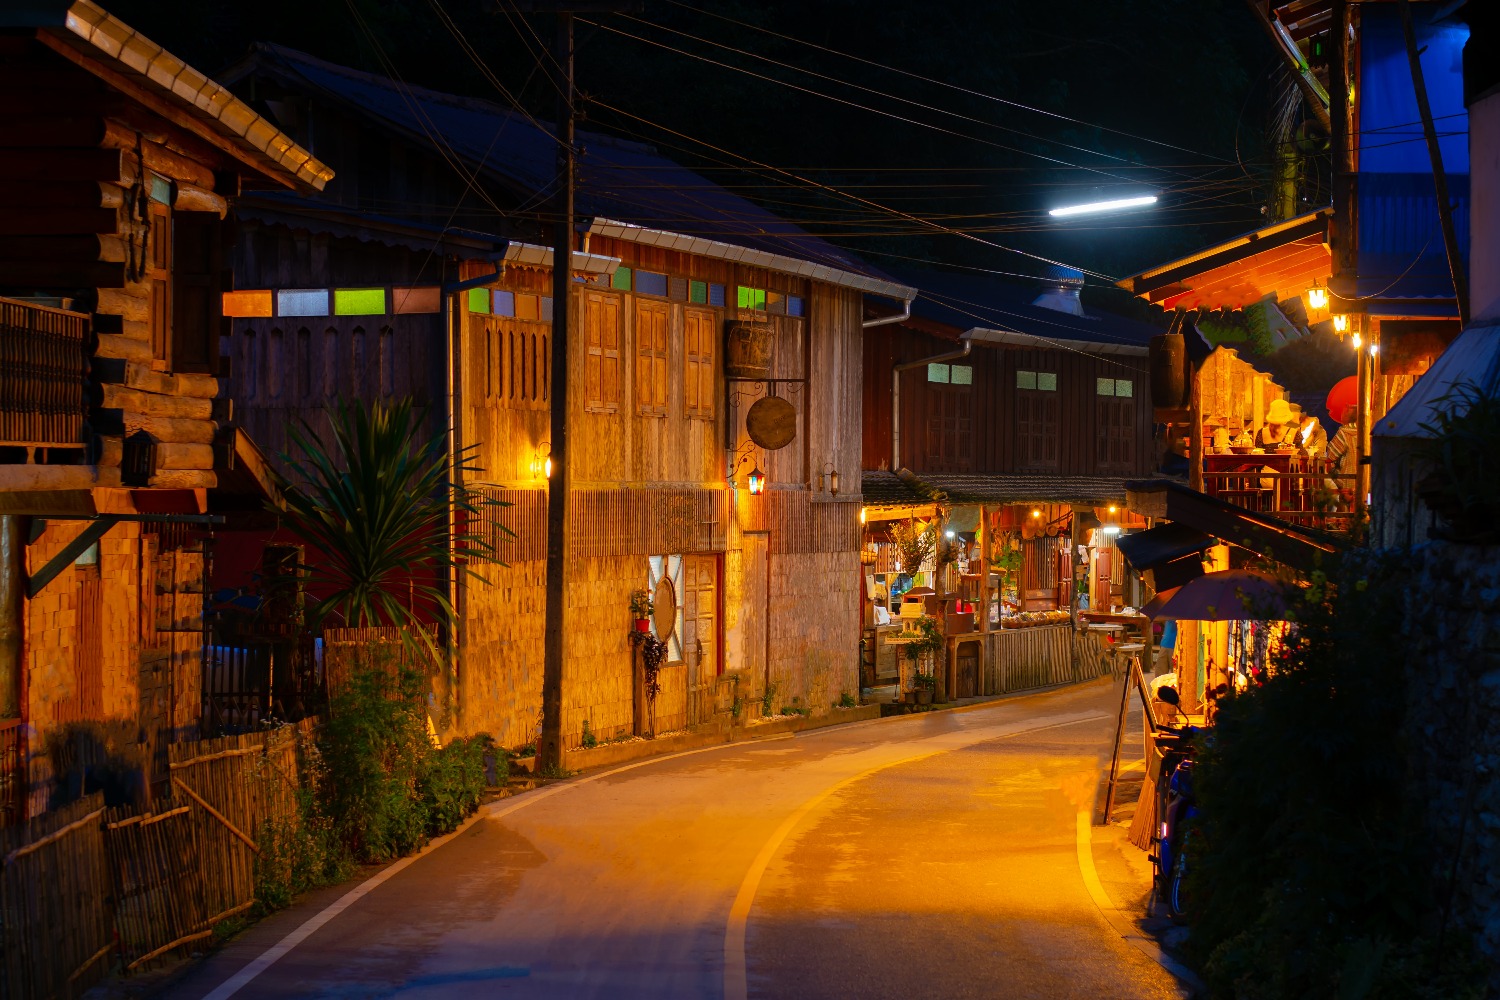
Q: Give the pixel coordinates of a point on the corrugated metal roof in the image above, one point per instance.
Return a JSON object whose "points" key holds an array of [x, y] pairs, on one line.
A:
{"points": [[891, 489], [1474, 357], [1002, 311], [616, 179]]}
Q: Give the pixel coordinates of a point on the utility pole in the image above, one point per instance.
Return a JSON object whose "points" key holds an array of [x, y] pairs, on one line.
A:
{"points": [[549, 746]]}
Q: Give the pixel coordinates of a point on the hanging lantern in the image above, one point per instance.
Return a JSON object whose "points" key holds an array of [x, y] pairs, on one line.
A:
{"points": [[1341, 324], [1317, 297], [757, 482], [833, 483]]}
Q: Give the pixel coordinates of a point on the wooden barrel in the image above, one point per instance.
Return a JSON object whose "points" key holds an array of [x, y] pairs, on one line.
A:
{"points": [[1169, 381], [747, 351]]}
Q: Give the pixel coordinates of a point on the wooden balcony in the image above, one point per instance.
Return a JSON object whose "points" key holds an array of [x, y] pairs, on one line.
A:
{"points": [[44, 357]]}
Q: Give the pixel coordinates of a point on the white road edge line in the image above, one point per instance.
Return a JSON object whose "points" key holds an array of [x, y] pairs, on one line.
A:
{"points": [[494, 810], [736, 972], [1111, 913]]}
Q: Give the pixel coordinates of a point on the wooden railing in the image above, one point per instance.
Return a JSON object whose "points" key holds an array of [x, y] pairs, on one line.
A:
{"points": [[43, 363], [1312, 498]]}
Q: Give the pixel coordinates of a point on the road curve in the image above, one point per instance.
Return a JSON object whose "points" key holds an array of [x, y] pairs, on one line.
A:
{"points": [[928, 856]]}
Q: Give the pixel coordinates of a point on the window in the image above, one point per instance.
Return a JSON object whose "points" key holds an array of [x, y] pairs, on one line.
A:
{"points": [[601, 321], [700, 336], [650, 283], [698, 292], [752, 298], [1040, 381], [1122, 388], [950, 374], [950, 441], [197, 298], [651, 326], [620, 279]]}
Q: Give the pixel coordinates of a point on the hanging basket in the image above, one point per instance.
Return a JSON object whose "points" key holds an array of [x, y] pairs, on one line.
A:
{"points": [[747, 351]]}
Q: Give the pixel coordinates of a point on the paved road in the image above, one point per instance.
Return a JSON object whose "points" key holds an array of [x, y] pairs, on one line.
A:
{"points": [[931, 856]]}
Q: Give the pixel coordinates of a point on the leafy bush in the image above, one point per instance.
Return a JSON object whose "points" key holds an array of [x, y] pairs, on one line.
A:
{"points": [[454, 781], [302, 851], [1311, 865]]}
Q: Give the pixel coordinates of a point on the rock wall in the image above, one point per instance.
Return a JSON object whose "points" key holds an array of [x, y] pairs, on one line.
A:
{"points": [[1453, 635]]}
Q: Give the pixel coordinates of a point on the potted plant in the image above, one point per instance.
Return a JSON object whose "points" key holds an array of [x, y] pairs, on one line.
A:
{"points": [[913, 547], [929, 639], [653, 654], [641, 609], [923, 686]]}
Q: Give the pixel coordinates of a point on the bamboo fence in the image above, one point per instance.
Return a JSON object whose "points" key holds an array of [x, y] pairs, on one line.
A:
{"points": [[87, 889]]}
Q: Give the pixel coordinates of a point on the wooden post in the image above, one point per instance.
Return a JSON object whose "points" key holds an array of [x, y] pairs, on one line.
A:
{"points": [[549, 747], [12, 614], [984, 599], [1195, 433]]}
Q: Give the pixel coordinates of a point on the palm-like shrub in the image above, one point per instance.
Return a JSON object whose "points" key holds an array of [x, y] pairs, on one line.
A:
{"points": [[373, 502]]}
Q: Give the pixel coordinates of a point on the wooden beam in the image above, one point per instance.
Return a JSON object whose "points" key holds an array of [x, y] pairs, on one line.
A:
{"points": [[22, 219], [94, 531]]}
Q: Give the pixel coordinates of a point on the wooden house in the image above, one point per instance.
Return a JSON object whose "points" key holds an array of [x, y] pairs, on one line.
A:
{"points": [[123, 160], [1009, 422], [436, 252]]}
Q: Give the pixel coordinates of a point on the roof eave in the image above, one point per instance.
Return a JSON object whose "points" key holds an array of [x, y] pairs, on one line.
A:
{"points": [[1016, 338]]}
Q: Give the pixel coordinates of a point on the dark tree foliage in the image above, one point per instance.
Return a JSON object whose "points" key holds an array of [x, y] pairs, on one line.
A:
{"points": [[1197, 74], [1311, 867]]}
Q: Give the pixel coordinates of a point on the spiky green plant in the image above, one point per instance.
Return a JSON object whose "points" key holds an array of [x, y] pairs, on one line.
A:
{"points": [[373, 502]]}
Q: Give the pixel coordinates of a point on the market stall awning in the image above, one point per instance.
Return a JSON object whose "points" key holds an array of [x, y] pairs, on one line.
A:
{"points": [[1278, 540], [1282, 260]]}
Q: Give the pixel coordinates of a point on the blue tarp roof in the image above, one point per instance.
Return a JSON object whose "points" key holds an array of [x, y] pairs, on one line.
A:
{"points": [[617, 179]]}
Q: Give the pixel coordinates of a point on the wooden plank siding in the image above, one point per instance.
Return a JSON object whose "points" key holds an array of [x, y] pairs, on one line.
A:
{"points": [[1090, 434]]}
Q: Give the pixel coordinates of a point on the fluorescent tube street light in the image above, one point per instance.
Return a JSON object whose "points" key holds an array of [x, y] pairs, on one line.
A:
{"points": [[1103, 206]]}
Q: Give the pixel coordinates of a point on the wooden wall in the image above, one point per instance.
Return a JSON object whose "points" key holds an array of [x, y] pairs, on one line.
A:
{"points": [[995, 409]]}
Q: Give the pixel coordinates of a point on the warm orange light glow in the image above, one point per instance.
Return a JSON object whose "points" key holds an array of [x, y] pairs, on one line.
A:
{"points": [[757, 482], [1113, 508], [1341, 323], [1357, 341], [1317, 297], [863, 515], [1036, 513]]}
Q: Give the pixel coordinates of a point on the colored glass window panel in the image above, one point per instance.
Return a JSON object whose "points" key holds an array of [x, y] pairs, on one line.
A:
{"points": [[547, 308], [795, 306], [254, 303], [776, 303], [302, 302], [698, 292], [621, 279], [161, 189], [678, 291], [527, 307], [716, 295], [1125, 388], [651, 283], [962, 375], [752, 298], [359, 301], [479, 301], [1046, 381], [502, 303], [423, 299], [1025, 380], [937, 373], [1105, 386]]}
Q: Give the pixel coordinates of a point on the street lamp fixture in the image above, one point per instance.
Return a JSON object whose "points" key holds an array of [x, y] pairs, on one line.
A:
{"points": [[1317, 297], [1358, 342], [1341, 324], [757, 482], [1093, 207]]}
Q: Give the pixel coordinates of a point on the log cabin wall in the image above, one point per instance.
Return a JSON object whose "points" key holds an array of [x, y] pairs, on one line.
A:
{"points": [[994, 425], [283, 369], [650, 457]]}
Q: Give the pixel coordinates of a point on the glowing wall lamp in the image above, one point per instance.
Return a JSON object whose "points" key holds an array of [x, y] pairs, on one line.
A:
{"points": [[828, 479], [863, 515], [1036, 513], [1317, 297], [757, 482], [1357, 342], [1341, 324]]}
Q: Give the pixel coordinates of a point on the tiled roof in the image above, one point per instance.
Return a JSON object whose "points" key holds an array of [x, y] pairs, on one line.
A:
{"points": [[892, 489]]}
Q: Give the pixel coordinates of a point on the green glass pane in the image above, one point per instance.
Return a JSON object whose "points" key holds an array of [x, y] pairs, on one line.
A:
{"points": [[1046, 381], [1025, 380], [479, 300], [359, 301], [621, 279], [745, 297], [1105, 386], [963, 375], [698, 293], [1124, 387], [161, 190], [937, 373]]}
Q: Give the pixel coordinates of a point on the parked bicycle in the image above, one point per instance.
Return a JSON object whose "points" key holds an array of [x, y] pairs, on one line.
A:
{"points": [[1176, 809]]}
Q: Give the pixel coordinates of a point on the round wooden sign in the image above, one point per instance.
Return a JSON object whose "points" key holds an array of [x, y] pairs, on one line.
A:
{"points": [[664, 604], [771, 423]]}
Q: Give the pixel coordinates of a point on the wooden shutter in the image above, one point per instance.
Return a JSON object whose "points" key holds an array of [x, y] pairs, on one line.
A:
{"points": [[1037, 428], [698, 365], [196, 300], [159, 277], [602, 370], [949, 429], [1116, 436], [651, 324]]}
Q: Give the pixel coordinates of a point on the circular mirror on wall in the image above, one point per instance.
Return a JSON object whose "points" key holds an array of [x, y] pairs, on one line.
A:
{"points": [[664, 620]]}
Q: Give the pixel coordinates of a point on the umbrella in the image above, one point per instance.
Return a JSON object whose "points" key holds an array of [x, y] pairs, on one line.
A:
{"points": [[1230, 595], [1344, 394], [1153, 607]]}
